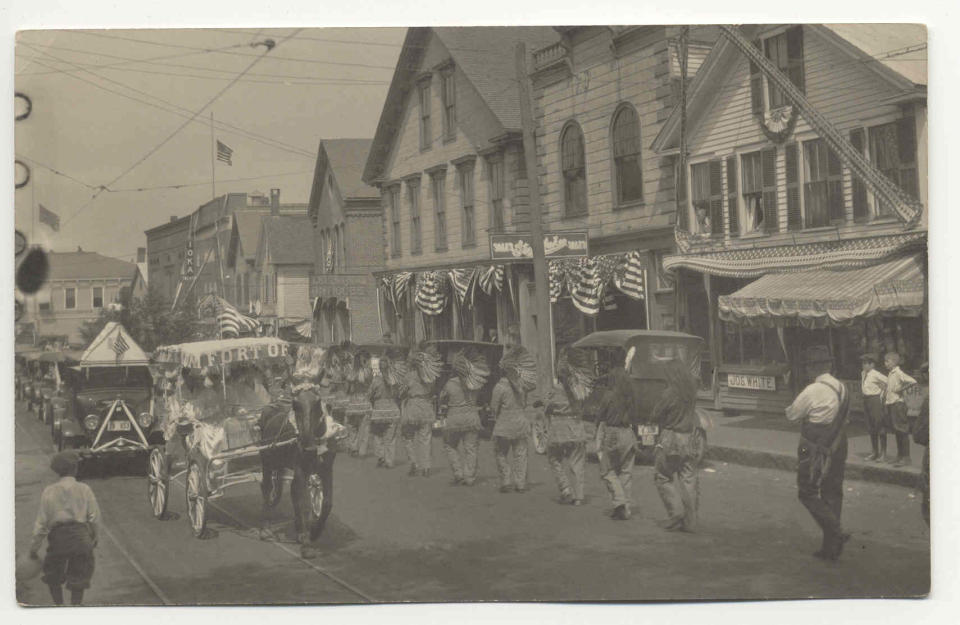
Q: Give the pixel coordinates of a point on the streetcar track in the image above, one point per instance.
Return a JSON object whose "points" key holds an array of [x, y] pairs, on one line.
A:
{"points": [[282, 547]]}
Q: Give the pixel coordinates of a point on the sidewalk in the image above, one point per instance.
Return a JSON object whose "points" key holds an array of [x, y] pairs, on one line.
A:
{"points": [[769, 442]]}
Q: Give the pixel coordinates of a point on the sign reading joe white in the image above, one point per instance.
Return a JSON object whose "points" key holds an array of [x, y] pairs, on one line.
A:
{"points": [[752, 382], [555, 245]]}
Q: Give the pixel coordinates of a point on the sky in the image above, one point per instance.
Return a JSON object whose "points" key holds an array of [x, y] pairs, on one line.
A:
{"points": [[103, 101]]}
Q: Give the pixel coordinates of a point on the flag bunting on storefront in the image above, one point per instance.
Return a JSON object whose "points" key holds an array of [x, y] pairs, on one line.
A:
{"points": [[491, 278], [430, 297], [630, 278], [463, 281]]}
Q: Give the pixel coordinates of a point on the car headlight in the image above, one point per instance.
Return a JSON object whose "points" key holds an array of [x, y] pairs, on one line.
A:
{"points": [[145, 419], [91, 421]]}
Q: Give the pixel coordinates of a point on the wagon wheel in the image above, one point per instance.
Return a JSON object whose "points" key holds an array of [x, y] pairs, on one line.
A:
{"points": [[540, 435], [157, 482], [315, 492], [196, 499], [698, 444]]}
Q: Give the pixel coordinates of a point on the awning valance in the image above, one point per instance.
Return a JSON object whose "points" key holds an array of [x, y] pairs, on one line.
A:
{"points": [[827, 297]]}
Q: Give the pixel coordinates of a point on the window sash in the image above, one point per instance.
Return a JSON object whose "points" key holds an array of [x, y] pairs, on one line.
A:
{"points": [[97, 294], [626, 133], [425, 136], [629, 179], [413, 195], [751, 173], [439, 211], [449, 103], [466, 202], [395, 218], [69, 298], [497, 220]]}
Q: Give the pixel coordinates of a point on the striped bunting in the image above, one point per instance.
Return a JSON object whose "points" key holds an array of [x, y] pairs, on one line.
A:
{"points": [[463, 282], [401, 281], [586, 294], [630, 277], [232, 321], [491, 278], [429, 297], [555, 281]]}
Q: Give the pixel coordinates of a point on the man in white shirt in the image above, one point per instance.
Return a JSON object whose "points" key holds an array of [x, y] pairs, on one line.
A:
{"points": [[896, 408], [822, 409], [872, 385]]}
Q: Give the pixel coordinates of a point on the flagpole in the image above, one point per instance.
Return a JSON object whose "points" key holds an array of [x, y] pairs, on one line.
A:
{"points": [[213, 156]]}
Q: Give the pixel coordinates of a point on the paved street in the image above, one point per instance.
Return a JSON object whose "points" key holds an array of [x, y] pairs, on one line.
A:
{"points": [[395, 538]]}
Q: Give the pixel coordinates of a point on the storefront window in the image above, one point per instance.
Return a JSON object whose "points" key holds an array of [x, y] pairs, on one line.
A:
{"points": [[744, 345]]}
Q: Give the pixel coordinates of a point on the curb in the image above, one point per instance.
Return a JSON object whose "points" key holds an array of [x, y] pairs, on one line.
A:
{"points": [[788, 462]]}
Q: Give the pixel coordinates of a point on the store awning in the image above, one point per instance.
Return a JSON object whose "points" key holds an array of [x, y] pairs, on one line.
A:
{"points": [[826, 297]]}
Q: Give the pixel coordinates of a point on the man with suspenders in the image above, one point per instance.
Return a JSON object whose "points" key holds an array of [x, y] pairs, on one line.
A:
{"points": [[822, 409]]}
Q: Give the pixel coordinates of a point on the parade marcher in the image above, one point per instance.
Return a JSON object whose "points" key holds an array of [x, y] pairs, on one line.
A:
{"points": [[872, 385], [384, 396], [896, 409], [67, 519], [511, 429], [418, 413], [458, 404], [617, 441], [675, 459], [566, 436], [334, 375], [358, 376], [822, 409]]}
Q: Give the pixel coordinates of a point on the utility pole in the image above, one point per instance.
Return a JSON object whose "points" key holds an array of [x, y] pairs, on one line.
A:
{"points": [[541, 293]]}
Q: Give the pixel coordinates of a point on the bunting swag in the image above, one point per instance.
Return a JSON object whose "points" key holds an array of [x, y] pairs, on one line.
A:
{"points": [[400, 283], [630, 277], [586, 294], [491, 278], [430, 298], [555, 280], [463, 282]]}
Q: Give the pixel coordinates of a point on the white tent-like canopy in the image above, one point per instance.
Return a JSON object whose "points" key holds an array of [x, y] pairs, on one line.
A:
{"points": [[113, 347]]}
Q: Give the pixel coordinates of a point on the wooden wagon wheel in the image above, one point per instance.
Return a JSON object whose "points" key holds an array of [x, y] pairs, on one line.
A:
{"points": [[315, 492], [196, 499], [540, 435], [157, 482]]}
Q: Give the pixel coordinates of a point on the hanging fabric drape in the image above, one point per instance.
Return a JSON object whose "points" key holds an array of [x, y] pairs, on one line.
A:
{"points": [[463, 281], [629, 279], [430, 297], [491, 278]]}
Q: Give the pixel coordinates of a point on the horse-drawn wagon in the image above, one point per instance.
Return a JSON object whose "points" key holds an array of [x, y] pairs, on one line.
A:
{"points": [[232, 413]]}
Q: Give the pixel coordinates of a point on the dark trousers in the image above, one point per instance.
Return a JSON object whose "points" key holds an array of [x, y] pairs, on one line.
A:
{"points": [[69, 558], [824, 501], [900, 423], [873, 409]]}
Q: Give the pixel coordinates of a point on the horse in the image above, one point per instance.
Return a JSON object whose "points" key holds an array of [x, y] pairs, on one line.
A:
{"points": [[310, 460]]}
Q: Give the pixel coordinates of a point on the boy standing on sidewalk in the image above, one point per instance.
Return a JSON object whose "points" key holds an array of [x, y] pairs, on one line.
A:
{"points": [[872, 385], [67, 518], [896, 408]]}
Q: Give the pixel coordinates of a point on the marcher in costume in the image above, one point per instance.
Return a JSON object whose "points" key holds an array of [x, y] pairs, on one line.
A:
{"points": [[511, 430], [896, 408], [384, 397], [333, 372], [418, 412], [67, 519], [617, 439], [458, 403], [872, 386], [822, 409], [675, 459], [566, 436], [358, 375]]}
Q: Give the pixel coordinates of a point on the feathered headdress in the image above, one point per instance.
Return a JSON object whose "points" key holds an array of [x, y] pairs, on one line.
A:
{"points": [[426, 363], [346, 356], [520, 368], [471, 367], [360, 371], [575, 372], [393, 368]]}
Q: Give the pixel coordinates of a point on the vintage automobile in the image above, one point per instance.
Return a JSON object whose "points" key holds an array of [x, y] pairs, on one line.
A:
{"points": [[44, 381], [652, 349], [492, 352], [109, 413]]}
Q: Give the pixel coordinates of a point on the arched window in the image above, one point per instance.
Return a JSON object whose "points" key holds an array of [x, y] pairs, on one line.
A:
{"points": [[574, 171], [626, 156]]}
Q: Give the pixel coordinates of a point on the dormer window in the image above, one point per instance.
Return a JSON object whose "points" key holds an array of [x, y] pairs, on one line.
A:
{"points": [[785, 51], [426, 137]]}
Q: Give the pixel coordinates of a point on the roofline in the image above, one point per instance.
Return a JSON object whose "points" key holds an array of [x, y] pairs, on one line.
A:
{"points": [[168, 224]]}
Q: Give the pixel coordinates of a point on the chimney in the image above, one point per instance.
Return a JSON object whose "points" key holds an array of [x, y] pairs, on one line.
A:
{"points": [[141, 254], [275, 202], [173, 218]]}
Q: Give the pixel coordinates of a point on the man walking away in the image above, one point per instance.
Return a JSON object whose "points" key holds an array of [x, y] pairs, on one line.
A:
{"points": [[872, 385], [617, 442], [566, 437], [511, 430], [822, 409], [675, 460], [458, 402], [896, 408], [418, 412], [359, 376], [67, 518]]}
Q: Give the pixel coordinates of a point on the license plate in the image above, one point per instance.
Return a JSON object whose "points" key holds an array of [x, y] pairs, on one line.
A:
{"points": [[118, 426]]}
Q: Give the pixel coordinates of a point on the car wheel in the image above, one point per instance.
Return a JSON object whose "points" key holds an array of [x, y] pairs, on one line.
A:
{"points": [[157, 482], [196, 499]]}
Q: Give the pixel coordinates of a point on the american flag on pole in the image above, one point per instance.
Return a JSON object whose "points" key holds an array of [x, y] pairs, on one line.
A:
{"points": [[120, 345], [463, 282], [224, 153], [232, 321], [630, 281], [46, 216], [585, 295]]}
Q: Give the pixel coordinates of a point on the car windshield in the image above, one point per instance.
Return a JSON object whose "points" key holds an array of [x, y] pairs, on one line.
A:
{"points": [[104, 377]]}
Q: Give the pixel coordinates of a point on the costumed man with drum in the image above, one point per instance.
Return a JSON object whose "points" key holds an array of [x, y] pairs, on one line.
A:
{"points": [[617, 442], [385, 409], [511, 429], [822, 409], [358, 375], [458, 402], [566, 436], [418, 413], [675, 458]]}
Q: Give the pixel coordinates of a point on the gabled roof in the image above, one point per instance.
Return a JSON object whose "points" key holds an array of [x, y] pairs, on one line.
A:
{"points": [[289, 239], [87, 266], [248, 231], [864, 42], [484, 54], [347, 158], [102, 351]]}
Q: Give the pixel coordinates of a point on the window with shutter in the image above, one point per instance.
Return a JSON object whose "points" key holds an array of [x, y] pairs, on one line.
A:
{"points": [[770, 218], [574, 171], [756, 85], [468, 228], [751, 174], [449, 94], [496, 194], [700, 197], [733, 210], [823, 187], [785, 51], [860, 209], [426, 137], [438, 182], [893, 149], [413, 196], [794, 212]]}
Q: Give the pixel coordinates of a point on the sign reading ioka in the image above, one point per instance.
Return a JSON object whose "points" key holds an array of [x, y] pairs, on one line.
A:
{"points": [[555, 245]]}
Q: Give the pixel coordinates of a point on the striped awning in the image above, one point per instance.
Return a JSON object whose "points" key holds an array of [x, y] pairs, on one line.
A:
{"points": [[824, 297]]}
